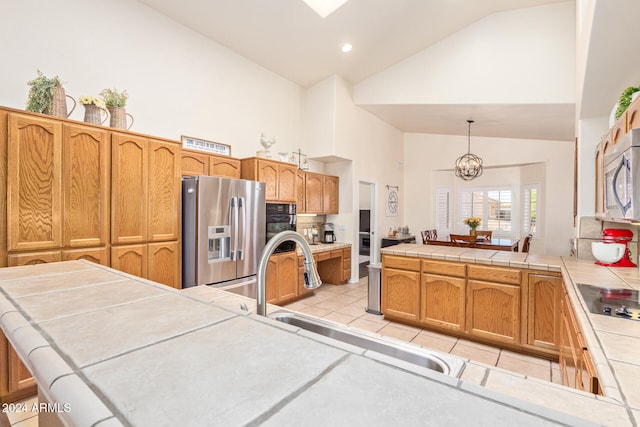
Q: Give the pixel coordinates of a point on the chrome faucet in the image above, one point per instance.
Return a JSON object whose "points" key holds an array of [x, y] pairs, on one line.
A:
{"points": [[311, 277]]}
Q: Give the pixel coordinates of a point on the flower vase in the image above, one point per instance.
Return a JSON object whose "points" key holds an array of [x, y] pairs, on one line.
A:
{"points": [[59, 104], [119, 118], [472, 232], [93, 114]]}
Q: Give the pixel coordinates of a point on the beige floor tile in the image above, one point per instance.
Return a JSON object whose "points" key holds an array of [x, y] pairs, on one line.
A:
{"points": [[352, 310], [525, 358], [315, 311], [366, 324], [434, 343], [340, 318], [556, 378], [477, 345], [487, 356], [21, 410], [330, 305], [397, 332], [529, 369], [439, 336], [474, 373]]}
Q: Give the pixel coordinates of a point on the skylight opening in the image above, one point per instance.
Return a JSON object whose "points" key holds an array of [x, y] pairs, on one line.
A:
{"points": [[324, 8]]}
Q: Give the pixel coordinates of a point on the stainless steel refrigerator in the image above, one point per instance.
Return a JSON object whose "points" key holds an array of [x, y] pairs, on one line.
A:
{"points": [[223, 229]]}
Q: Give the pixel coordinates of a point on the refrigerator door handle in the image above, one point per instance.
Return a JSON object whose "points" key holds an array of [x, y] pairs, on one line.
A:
{"points": [[233, 217], [241, 225]]}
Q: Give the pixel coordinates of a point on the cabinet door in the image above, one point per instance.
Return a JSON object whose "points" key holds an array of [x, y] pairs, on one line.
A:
{"points": [[442, 301], [633, 115], [4, 136], [268, 173], [313, 192], [300, 193], [164, 186], [131, 259], [31, 258], [330, 192], [86, 186], [97, 255], [346, 264], [193, 164], [224, 166], [272, 280], [129, 162], [287, 180], [287, 276], [493, 311], [545, 296], [19, 376], [163, 264], [401, 294], [34, 183]]}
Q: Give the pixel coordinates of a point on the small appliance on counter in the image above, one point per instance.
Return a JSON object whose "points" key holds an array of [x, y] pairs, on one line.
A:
{"points": [[613, 250], [327, 235]]}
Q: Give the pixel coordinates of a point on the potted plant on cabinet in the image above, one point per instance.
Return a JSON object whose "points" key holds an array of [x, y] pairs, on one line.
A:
{"points": [[116, 101], [47, 96], [625, 100]]}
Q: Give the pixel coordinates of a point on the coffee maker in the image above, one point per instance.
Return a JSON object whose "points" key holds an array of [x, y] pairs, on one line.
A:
{"points": [[327, 235]]}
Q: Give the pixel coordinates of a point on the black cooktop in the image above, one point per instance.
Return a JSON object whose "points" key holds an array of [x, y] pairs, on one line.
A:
{"points": [[622, 303]]}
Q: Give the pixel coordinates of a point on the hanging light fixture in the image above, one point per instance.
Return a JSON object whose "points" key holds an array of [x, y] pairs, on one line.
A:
{"points": [[468, 166]]}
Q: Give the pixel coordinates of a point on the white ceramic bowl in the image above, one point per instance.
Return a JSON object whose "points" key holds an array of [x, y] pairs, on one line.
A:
{"points": [[607, 253]]}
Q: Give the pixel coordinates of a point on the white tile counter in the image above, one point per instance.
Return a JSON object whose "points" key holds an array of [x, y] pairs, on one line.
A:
{"points": [[119, 350]]}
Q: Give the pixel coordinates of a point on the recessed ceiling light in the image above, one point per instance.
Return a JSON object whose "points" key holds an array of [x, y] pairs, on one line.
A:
{"points": [[346, 47], [324, 8]]}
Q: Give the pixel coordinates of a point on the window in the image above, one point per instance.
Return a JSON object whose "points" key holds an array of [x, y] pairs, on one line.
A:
{"points": [[493, 205], [443, 210], [530, 209]]}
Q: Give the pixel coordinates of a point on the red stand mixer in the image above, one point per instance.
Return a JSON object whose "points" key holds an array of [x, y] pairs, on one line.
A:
{"points": [[616, 235]]}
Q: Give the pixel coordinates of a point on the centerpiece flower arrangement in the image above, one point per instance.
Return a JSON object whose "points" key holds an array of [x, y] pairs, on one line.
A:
{"points": [[472, 222], [116, 101]]}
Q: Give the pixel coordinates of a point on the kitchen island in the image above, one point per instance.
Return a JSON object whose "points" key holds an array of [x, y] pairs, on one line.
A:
{"points": [[109, 349], [612, 342]]}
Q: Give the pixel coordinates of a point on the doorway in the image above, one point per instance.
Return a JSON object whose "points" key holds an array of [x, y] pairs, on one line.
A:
{"points": [[367, 248]]}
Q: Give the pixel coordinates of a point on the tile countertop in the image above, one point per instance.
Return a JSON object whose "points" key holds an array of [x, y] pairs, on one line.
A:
{"points": [[614, 344], [113, 349], [322, 247]]}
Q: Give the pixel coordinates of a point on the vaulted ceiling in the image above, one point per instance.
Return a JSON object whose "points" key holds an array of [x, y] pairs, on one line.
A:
{"points": [[290, 39]]}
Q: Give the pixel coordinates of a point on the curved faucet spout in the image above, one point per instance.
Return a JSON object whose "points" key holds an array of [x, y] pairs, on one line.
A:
{"points": [[311, 277]]}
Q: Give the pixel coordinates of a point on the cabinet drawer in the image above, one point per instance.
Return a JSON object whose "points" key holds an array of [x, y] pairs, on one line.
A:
{"points": [[322, 256], [336, 253], [401, 262], [346, 253], [495, 274], [444, 268]]}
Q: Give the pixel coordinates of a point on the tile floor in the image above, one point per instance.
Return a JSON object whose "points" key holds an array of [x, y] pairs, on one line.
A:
{"points": [[20, 414], [347, 303]]}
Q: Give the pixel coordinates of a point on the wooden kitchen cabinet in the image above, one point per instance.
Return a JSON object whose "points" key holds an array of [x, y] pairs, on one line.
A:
{"points": [[194, 163], [32, 258], [633, 115], [86, 204], [346, 264], [97, 255], [34, 183], [443, 295], [18, 381], [280, 178], [282, 278], [300, 192], [165, 192], [164, 260], [401, 288], [129, 189], [330, 194], [493, 311], [224, 166], [544, 313], [130, 259], [314, 193]]}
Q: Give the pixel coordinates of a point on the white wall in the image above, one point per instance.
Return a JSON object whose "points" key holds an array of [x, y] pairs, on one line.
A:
{"points": [[179, 83], [521, 56], [425, 154]]}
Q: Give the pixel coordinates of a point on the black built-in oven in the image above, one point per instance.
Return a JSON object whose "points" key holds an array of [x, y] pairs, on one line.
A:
{"points": [[281, 217]]}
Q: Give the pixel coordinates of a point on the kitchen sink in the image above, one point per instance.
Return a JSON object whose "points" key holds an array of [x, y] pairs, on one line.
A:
{"points": [[430, 359]]}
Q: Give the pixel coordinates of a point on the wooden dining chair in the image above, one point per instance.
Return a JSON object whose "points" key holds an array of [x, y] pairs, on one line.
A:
{"points": [[463, 240], [429, 235], [526, 243], [484, 234]]}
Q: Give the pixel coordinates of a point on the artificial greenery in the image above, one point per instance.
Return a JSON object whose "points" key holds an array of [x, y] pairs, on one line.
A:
{"points": [[41, 93], [114, 98], [625, 100]]}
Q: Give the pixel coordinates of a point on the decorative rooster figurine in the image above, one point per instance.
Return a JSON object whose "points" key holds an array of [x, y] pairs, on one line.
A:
{"points": [[267, 143]]}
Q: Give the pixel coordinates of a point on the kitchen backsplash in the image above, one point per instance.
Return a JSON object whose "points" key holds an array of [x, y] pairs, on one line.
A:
{"points": [[591, 231], [305, 223]]}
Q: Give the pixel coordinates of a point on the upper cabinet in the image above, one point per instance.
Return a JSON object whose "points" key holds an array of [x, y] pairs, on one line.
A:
{"points": [[280, 178], [320, 193], [199, 163]]}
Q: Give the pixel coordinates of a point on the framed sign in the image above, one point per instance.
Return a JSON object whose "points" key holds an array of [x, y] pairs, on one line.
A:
{"points": [[206, 146], [391, 208]]}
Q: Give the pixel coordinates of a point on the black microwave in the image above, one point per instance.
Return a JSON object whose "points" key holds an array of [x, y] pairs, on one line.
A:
{"points": [[281, 217]]}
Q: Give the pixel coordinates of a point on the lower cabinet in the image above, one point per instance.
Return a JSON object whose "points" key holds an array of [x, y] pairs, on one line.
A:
{"points": [[576, 367], [436, 289], [544, 315], [493, 311], [401, 287], [153, 261], [18, 383], [282, 278]]}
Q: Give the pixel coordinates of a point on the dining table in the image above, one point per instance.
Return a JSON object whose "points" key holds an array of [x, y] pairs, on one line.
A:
{"points": [[496, 244]]}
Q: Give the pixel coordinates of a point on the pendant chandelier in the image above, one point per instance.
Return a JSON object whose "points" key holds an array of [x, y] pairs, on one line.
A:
{"points": [[468, 166]]}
